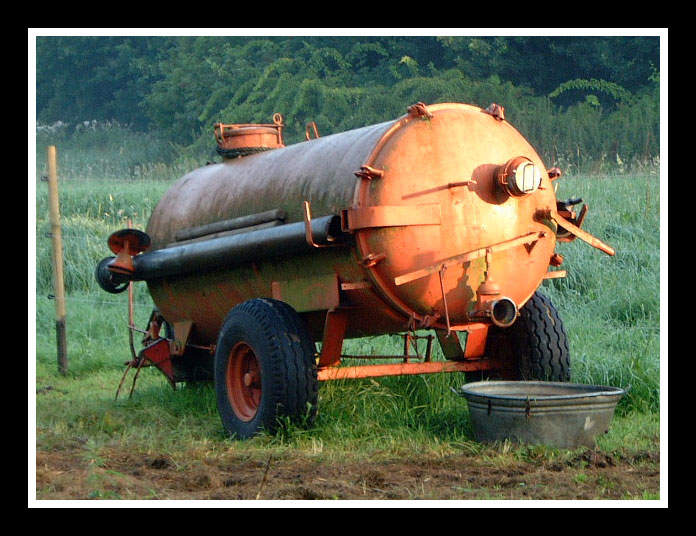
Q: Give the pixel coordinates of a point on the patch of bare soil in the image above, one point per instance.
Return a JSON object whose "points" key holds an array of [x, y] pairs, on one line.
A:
{"points": [[70, 474]]}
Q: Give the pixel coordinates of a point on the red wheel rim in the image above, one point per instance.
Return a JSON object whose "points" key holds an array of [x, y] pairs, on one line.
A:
{"points": [[243, 381]]}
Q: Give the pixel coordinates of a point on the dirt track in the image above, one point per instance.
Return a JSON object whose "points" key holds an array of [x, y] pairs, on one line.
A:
{"points": [[115, 474]]}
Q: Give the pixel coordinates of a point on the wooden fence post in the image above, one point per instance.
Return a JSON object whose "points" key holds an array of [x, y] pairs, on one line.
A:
{"points": [[58, 285]]}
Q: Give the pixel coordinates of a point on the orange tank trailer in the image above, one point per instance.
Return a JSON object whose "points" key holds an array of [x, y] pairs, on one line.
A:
{"points": [[444, 219]]}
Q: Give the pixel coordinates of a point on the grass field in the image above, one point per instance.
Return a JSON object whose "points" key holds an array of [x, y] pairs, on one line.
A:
{"points": [[169, 444]]}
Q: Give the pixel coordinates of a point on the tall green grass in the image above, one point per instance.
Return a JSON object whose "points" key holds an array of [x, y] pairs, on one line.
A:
{"points": [[610, 307]]}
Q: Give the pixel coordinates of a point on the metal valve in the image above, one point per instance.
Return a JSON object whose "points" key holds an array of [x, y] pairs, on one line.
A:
{"points": [[519, 177]]}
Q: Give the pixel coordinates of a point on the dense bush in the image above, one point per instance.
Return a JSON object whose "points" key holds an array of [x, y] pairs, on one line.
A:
{"points": [[583, 102]]}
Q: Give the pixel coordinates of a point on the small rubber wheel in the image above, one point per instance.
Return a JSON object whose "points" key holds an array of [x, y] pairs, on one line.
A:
{"points": [[264, 370], [535, 346]]}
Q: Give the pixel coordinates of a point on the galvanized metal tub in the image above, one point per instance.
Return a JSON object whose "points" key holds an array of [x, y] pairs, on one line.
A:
{"points": [[564, 415]]}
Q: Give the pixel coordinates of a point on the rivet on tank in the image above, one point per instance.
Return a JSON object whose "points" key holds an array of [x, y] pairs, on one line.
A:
{"points": [[439, 225]]}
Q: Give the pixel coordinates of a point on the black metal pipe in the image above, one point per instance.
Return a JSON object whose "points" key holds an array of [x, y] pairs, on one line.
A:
{"points": [[288, 239], [228, 225]]}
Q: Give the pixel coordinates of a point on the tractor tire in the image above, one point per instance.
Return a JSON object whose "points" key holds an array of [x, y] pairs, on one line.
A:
{"points": [[535, 346], [264, 369]]}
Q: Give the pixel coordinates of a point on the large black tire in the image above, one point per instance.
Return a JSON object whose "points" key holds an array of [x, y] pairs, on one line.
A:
{"points": [[535, 347], [265, 370]]}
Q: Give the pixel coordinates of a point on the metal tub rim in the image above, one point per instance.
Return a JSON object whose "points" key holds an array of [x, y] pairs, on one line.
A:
{"points": [[559, 414], [537, 391]]}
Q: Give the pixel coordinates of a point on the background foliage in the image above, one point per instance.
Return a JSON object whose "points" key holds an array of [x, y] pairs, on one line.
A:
{"points": [[581, 101]]}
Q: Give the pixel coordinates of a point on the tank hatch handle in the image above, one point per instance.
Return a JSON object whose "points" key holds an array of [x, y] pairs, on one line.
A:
{"points": [[311, 127]]}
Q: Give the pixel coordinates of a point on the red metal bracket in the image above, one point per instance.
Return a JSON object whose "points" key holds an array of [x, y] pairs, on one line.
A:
{"points": [[156, 354], [444, 298], [159, 355], [369, 260], [369, 173], [476, 343], [182, 334], [419, 110], [554, 173], [474, 347], [332, 342], [556, 274], [496, 110]]}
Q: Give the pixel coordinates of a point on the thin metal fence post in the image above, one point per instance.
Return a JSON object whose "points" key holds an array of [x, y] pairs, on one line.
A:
{"points": [[57, 250]]}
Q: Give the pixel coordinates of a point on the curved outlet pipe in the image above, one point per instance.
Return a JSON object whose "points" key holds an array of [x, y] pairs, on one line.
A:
{"points": [[503, 312]]}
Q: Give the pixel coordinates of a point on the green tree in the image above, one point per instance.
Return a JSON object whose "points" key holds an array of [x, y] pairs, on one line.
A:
{"points": [[102, 78], [600, 94]]}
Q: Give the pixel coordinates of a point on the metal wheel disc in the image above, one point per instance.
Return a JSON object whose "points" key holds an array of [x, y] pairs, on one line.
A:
{"points": [[244, 381]]}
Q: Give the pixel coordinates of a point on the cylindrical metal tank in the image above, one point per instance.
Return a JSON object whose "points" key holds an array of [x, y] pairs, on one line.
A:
{"points": [[433, 217]]}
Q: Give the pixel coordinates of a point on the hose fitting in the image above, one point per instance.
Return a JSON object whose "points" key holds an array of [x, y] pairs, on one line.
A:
{"points": [[502, 312]]}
